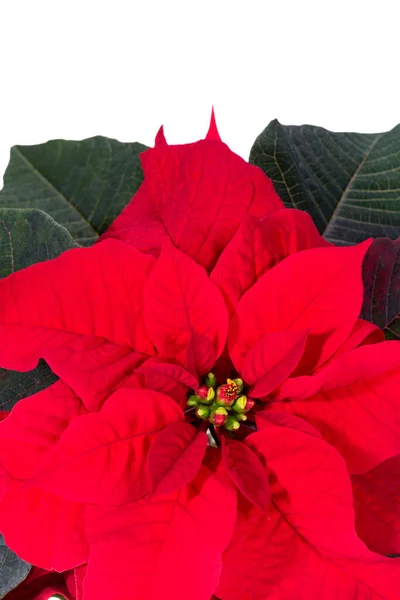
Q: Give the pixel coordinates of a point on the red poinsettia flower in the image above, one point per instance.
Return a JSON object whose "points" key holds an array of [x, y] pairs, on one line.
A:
{"points": [[152, 351]]}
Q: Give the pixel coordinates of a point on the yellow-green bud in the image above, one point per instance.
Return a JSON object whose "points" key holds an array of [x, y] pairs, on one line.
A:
{"points": [[210, 395], [203, 412], [210, 380], [239, 383], [232, 424], [205, 394], [241, 417], [240, 404], [193, 400]]}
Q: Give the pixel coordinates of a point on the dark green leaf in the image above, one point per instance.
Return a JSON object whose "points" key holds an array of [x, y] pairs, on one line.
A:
{"points": [[381, 277], [13, 570], [15, 386], [82, 185], [26, 237], [29, 236], [348, 182]]}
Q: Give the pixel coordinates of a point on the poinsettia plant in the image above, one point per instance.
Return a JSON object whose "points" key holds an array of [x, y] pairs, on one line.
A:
{"points": [[208, 404]]}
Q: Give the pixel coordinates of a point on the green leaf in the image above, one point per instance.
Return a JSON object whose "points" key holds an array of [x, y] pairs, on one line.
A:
{"points": [[348, 182], [29, 236], [13, 570], [26, 237], [15, 386], [381, 278], [82, 185]]}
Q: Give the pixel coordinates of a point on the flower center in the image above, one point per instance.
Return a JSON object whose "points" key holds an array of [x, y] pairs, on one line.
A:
{"points": [[223, 405]]}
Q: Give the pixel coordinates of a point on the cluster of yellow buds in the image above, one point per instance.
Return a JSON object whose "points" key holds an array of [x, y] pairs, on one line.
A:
{"points": [[224, 405]]}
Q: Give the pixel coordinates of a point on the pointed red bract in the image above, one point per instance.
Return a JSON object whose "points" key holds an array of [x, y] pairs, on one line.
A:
{"points": [[179, 300], [212, 133], [257, 246], [354, 403], [308, 548], [377, 506], [43, 528], [291, 231], [200, 354], [162, 548], [305, 291], [167, 370], [243, 561], [34, 426], [95, 292], [93, 367], [168, 378], [275, 418], [175, 457], [363, 333], [160, 138], [247, 472], [272, 360], [101, 457], [237, 267], [194, 195]]}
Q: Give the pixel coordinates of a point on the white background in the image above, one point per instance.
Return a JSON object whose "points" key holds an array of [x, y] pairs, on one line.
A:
{"points": [[74, 69]]}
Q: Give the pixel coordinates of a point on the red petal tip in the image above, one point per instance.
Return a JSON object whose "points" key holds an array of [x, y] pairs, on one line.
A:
{"points": [[212, 133], [160, 138]]}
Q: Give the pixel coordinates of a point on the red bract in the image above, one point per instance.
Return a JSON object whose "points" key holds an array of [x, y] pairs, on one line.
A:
{"points": [[194, 195], [115, 466], [41, 585], [354, 403], [307, 546], [377, 505]]}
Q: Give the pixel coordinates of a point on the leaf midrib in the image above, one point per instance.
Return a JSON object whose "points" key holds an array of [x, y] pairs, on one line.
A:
{"points": [[53, 188], [350, 183]]}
